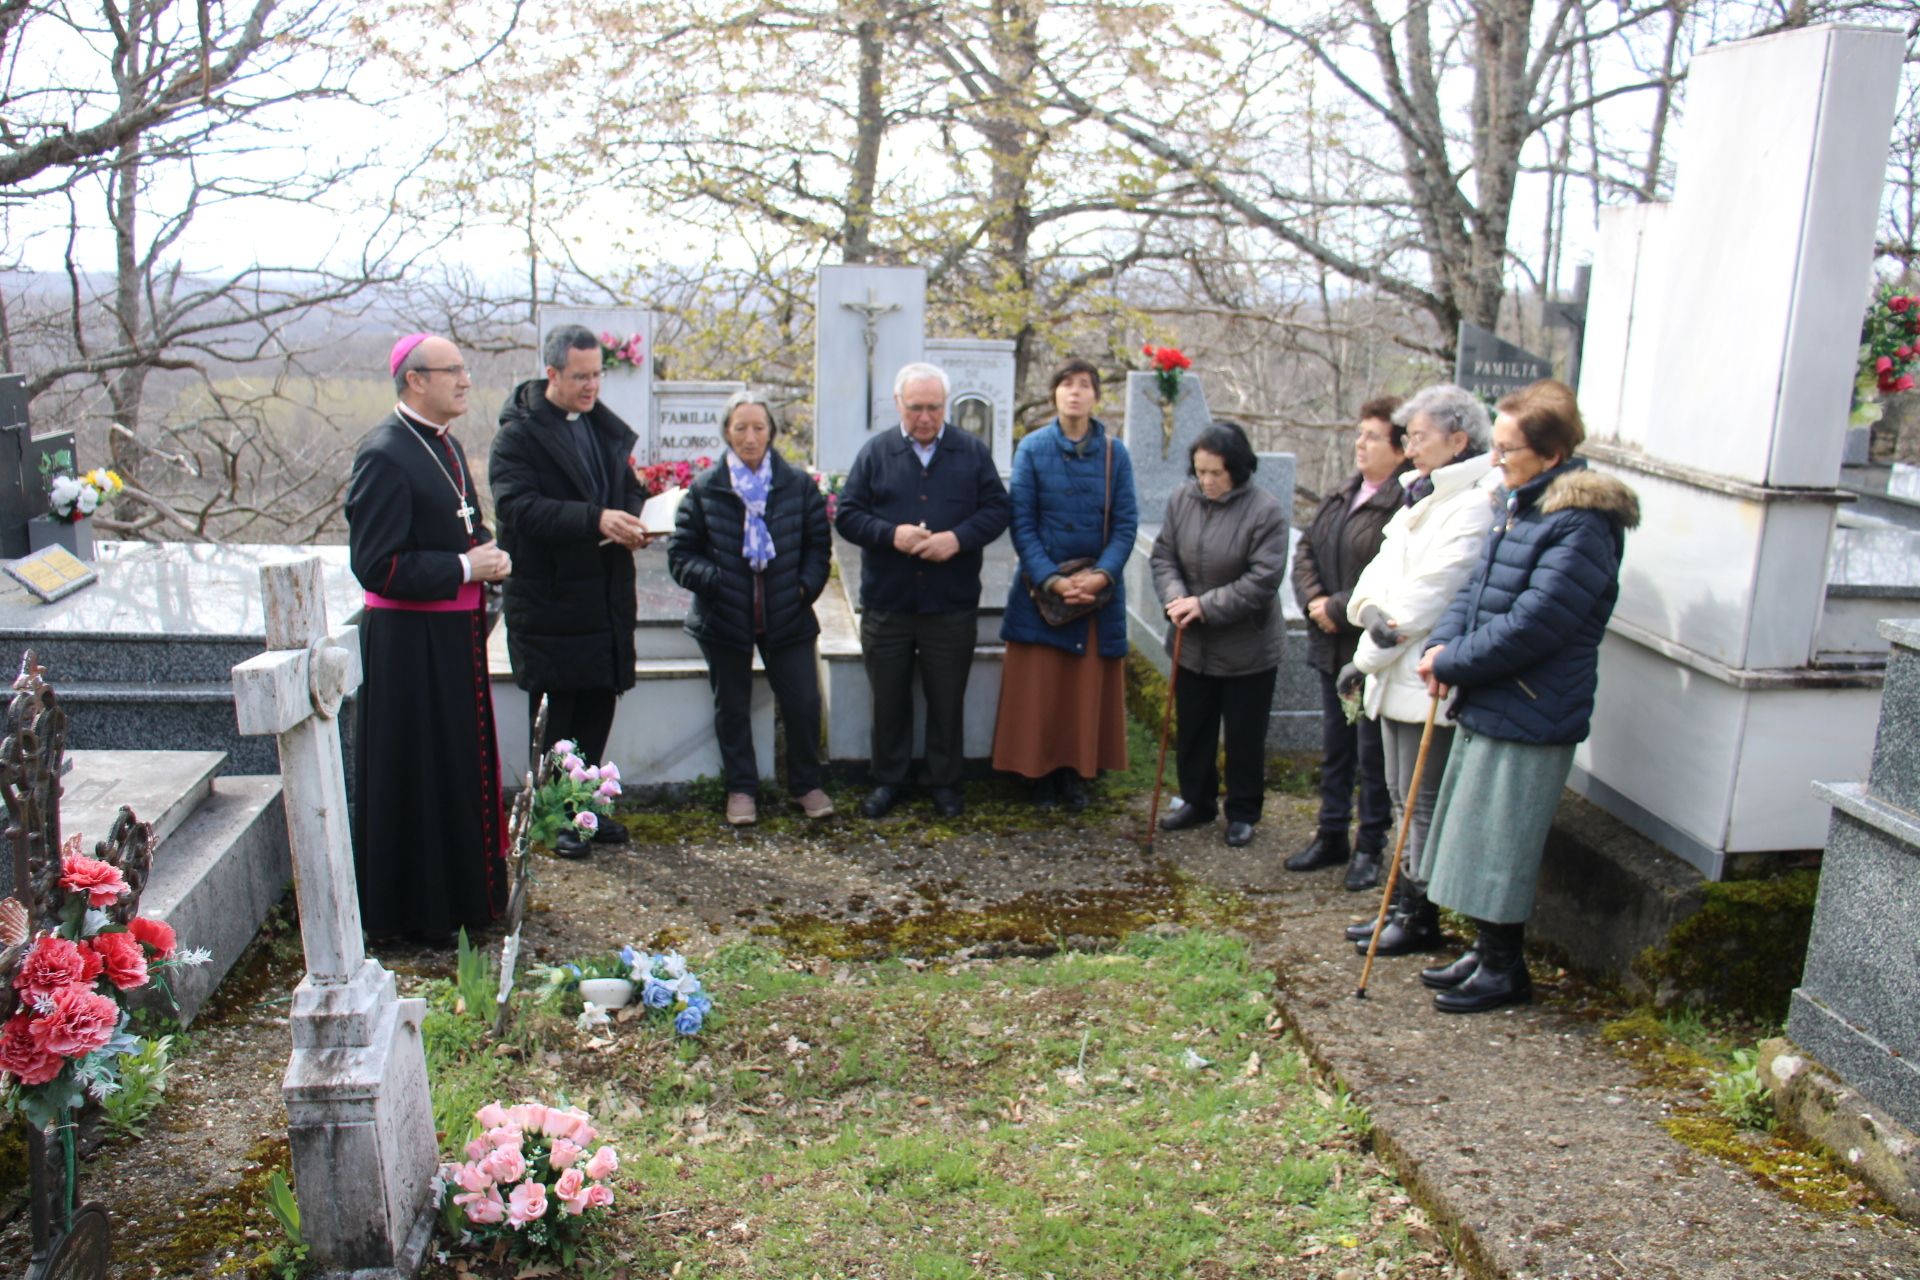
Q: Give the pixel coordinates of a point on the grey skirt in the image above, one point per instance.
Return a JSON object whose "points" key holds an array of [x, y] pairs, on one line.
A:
{"points": [[1490, 825]]}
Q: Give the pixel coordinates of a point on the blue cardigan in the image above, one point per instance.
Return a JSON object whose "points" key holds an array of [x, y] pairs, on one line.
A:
{"points": [[958, 491], [1059, 492], [1523, 636]]}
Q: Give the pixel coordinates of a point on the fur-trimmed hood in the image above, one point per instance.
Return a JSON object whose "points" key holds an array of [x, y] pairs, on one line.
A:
{"points": [[1594, 492]]}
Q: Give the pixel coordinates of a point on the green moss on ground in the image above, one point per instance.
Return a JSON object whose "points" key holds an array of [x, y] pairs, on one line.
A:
{"points": [[1742, 952]]}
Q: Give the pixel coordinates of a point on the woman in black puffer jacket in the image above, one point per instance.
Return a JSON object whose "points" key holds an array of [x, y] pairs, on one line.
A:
{"points": [[752, 543], [1521, 645]]}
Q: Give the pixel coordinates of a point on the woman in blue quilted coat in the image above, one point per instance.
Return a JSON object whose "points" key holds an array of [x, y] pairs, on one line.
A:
{"points": [[1520, 645]]}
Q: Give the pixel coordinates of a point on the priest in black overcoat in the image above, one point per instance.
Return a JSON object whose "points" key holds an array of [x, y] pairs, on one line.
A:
{"points": [[569, 504], [429, 831]]}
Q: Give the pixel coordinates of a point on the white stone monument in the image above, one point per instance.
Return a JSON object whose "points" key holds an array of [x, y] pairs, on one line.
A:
{"points": [[686, 419], [1718, 359], [868, 321], [359, 1116], [981, 373], [628, 388]]}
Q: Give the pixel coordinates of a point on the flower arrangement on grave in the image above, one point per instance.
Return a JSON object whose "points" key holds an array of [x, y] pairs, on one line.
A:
{"points": [[617, 352], [74, 498], [1167, 364], [668, 990], [830, 483], [533, 1184], [659, 477], [1889, 352], [576, 795], [64, 998]]}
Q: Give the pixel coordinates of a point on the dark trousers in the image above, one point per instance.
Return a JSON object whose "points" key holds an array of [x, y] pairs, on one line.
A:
{"points": [[1352, 752], [585, 716], [795, 679], [943, 645], [1243, 704]]}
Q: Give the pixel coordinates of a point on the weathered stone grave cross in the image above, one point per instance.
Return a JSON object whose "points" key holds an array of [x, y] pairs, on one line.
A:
{"points": [[359, 1116]]}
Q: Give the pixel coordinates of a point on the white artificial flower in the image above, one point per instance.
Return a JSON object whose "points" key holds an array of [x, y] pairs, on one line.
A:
{"points": [[65, 491], [89, 499]]}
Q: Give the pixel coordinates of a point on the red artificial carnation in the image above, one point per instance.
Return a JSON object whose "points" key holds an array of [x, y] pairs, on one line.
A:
{"points": [[23, 1058], [1903, 383], [1883, 365], [155, 934], [51, 966], [1897, 304], [124, 959], [79, 1022], [100, 882], [1884, 381]]}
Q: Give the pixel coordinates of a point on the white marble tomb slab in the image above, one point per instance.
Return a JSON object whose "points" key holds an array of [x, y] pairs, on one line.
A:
{"points": [[846, 410], [1780, 166], [686, 419], [1623, 325]]}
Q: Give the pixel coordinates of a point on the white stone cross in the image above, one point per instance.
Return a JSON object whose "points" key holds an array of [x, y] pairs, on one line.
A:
{"points": [[359, 1114], [294, 691]]}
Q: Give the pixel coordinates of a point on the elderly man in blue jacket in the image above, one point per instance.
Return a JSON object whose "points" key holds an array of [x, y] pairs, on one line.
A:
{"points": [[921, 501]]}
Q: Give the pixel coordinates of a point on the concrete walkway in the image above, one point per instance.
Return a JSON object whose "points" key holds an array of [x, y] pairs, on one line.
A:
{"points": [[1524, 1134]]}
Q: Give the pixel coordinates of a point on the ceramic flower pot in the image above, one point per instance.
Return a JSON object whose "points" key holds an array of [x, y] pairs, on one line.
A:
{"points": [[608, 993]]}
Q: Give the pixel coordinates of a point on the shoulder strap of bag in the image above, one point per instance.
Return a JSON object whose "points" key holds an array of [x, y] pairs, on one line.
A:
{"points": [[1106, 509]]}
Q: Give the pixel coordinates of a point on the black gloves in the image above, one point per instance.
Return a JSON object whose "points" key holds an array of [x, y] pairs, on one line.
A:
{"points": [[1380, 628], [1348, 683]]}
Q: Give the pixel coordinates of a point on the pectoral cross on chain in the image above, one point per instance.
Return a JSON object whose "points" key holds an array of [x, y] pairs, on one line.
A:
{"points": [[870, 311], [466, 513]]}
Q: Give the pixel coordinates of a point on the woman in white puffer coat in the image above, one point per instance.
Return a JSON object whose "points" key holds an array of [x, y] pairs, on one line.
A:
{"points": [[1429, 551]]}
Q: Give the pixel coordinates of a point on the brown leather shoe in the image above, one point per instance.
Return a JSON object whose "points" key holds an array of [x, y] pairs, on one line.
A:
{"points": [[741, 810]]}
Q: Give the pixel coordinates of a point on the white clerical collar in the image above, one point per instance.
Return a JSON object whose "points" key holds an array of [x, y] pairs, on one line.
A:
{"points": [[439, 430]]}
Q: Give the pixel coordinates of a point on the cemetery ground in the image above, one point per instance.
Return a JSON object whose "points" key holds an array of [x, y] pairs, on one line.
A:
{"points": [[1015, 1046]]}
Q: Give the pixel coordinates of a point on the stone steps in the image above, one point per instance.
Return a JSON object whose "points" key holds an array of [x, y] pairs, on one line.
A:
{"points": [[220, 861]]}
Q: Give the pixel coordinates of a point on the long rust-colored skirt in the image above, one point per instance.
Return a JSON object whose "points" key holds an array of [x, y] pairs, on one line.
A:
{"points": [[1061, 710]]}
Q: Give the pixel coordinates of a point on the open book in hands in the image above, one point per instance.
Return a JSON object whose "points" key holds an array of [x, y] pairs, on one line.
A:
{"points": [[658, 515]]}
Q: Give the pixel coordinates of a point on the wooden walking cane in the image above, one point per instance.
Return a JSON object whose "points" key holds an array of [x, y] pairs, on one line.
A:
{"points": [[1399, 846], [1166, 722]]}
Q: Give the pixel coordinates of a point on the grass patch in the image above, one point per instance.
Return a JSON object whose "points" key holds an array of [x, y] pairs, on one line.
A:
{"points": [[1011, 1117]]}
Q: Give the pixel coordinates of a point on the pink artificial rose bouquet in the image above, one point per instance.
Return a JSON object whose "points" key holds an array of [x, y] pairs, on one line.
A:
{"points": [[533, 1180]]}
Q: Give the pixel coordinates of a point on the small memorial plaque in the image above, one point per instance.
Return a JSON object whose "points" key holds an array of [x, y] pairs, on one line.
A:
{"points": [[53, 572], [1490, 367]]}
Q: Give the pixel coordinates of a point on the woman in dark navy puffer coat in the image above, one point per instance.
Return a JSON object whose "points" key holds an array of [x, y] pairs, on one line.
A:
{"points": [[1521, 645]]}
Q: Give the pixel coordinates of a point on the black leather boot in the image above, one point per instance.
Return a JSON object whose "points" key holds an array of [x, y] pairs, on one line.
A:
{"points": [[1501, 978], [1329, 849], [1442, 977], [1413, 927], [1360, 931], [1363, 870]]}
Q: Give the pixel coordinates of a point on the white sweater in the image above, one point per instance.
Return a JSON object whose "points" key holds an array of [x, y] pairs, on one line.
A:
{"points": [[1427, 554]]}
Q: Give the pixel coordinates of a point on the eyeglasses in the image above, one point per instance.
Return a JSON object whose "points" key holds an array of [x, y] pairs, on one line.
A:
{"points": [[1500, 451], [582, 379], [941, 407], [457, 370], [1434, 433]]}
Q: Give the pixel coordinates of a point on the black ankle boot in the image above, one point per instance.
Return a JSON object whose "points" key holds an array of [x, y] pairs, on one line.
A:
{"points": [[1413, 927], [1500, 979], [1360, 932], [1441, 977], [1329, 849], [1363, 870]]}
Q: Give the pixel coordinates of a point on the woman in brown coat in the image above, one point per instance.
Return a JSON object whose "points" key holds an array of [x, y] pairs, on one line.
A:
{"points": [[1218, 565], [1344, 536]]}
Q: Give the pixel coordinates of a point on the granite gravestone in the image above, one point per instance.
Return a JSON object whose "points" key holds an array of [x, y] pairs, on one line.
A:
{"points": [[1159, 454], [15, 506], [868, 322], [359, 1116], [686, 419], [1490, 366], [980, 371], [627, 388]]}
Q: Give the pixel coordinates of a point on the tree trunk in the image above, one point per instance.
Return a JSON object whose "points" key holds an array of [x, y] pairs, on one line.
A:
{"points": [[870, 128]]}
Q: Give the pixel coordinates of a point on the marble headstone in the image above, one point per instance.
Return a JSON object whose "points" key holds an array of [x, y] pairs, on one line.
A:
{"points": [[868, 322], [627, 389], [15, 510], [1490, 366], [981, 372], [686, 419], [1160, 459]]}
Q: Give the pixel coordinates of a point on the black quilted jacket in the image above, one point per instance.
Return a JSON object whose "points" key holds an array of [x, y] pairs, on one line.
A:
{"points": [[704, 557]]}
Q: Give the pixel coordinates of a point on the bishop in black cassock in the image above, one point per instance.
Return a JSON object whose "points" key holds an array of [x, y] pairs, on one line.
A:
{"points": [[429, 831]]}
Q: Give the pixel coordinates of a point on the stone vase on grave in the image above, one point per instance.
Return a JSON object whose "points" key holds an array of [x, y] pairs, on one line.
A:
{"points": [[75, 536]]}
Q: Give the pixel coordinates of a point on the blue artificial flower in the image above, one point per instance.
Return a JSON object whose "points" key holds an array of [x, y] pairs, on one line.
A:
{"points": [[674, 963], [634, 960], [655, 994], [702, 1002], [687, 1021], [574, 969]]}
